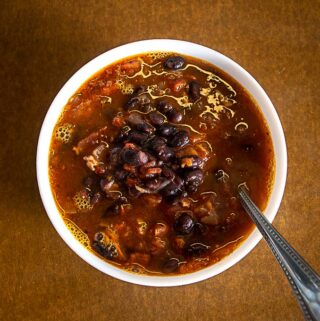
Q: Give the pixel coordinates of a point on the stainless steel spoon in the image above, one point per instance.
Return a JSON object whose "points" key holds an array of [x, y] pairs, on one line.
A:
{"points": [[305, 282]]}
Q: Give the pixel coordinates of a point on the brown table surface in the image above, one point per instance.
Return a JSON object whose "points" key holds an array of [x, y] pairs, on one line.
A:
{"points": [[42, 44]]}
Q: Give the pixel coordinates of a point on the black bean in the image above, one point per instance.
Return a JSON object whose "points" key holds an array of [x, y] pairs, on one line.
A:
{"points": [[153, 184], [191, 161], [160, 149], [193, 180], [184, 224], [168, 172], [137, 102], [164, 106], [192, 187], [146, 108], [171, 190], [145, 127], [200, 229], [174, 190], [178, 181], [156, 118], [180, 139], [167, 130], [137, 137], [98, 236], [156, 142], [196, 249], [122, 200], [135, 119], [194, 177], [174, 116], [171, 265], [174, 63], [129, 156], [143, 157], [114, 156], [156, 184], [194, 91], [132, 103], [108, 252], [122, 137], [133, 157], [174, 200], [144, 99], [165, 153]]}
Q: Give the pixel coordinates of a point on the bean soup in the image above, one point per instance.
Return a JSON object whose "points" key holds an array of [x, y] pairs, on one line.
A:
{"points": [[146, 159]]}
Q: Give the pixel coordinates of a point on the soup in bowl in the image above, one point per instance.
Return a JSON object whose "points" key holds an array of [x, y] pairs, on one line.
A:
{"points": [[141, 154]]}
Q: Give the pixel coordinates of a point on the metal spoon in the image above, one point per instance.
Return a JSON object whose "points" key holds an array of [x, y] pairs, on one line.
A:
{"points": [[305, 282]]}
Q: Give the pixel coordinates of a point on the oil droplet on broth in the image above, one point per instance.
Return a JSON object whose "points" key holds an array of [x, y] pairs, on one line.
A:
{"points": [[64, 133], [78, 233]]}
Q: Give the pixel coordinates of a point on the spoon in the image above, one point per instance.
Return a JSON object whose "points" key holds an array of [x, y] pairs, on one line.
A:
{"points": [[305, 282]]}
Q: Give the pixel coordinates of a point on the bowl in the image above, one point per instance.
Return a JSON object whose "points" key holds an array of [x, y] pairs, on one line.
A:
{"points": [[186, 48]]}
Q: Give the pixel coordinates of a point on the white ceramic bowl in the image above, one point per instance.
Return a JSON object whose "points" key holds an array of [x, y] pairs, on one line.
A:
{"points": [[187, 48]]}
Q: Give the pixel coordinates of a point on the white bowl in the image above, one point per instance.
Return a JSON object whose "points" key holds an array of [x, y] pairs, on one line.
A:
{"points": [[187, 48]]}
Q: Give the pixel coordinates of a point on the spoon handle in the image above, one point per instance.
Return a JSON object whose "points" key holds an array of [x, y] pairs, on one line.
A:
{"points": [[304, 281]]}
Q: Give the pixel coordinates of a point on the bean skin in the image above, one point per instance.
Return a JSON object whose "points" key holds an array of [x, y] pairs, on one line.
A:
{"points": [[193, 179], [145, 127], [164, 106], [174, 63], [137, 102], [167, 130], [156, 118], [135, 119], [157, 184], [165, 153], [191, 161], [171, 265], [133, 157], [114, 155], [194, 91], [137, 137], [108, 252], [180, 139], [196, 249], [184, 224], [171, 190], [174, 116]]}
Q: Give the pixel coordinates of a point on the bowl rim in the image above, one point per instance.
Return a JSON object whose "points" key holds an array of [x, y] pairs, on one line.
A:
{"points": [[186, 48]]}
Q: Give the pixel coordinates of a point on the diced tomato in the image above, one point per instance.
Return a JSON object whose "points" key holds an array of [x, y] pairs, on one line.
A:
{"points": [[118, 121]]}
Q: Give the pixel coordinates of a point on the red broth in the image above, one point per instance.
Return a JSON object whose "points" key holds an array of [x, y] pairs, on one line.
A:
{"points": [[146, 159]]}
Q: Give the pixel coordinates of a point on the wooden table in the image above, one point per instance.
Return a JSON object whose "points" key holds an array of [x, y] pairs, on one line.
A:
{"points": [[42, 44]]}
